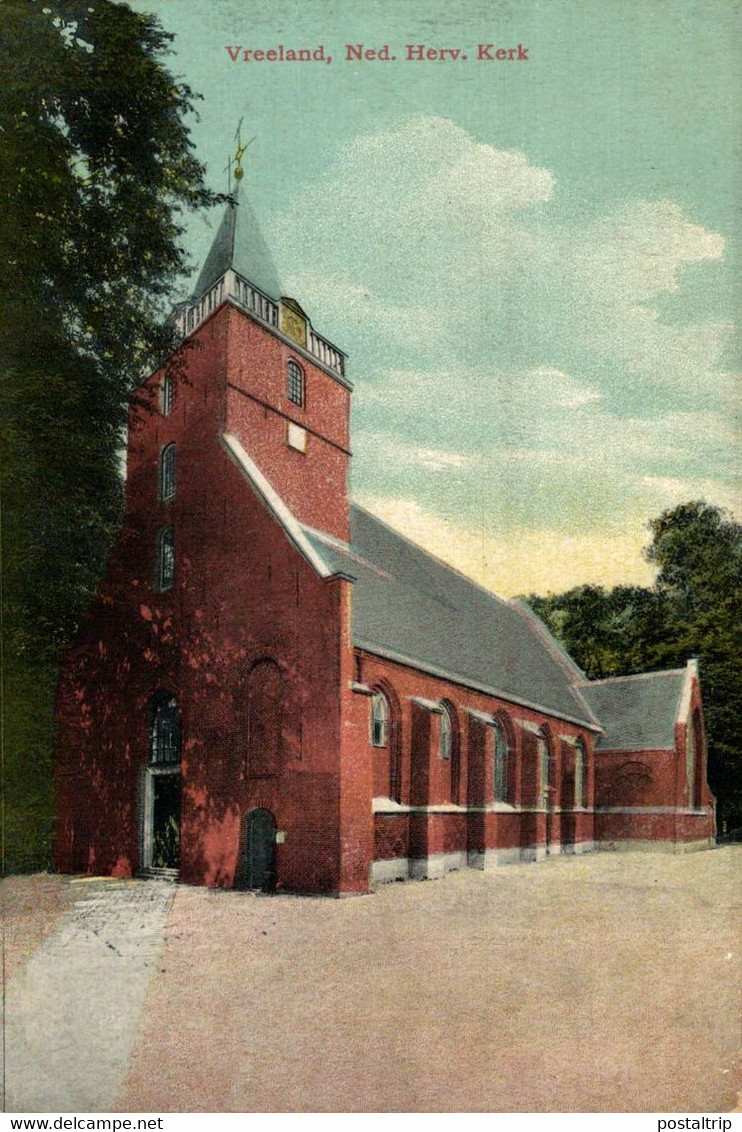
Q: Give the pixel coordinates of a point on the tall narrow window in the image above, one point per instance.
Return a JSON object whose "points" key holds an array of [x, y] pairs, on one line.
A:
{"points": [[166, 477], [501, 764], [296, 383], [379, 720], [165, 566], [445, 734], [580, 775], [544, 765], [167, 395]]}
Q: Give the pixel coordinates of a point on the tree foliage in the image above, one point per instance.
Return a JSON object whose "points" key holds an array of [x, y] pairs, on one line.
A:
{"points": [[96, 170], [694, 609]]}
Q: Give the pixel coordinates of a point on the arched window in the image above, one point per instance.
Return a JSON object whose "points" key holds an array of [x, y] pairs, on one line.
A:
{"points": [[544, 768], [295, 383], [167, 395], [264, 718], [379, 720], [166, 475], [501, 763], [580, 775], [165, 565], [445, 733], [165, 733]]}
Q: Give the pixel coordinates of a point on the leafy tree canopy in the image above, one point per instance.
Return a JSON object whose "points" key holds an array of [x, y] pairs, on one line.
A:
{"points": [[96, 168], [694, 609], [96, 172]]}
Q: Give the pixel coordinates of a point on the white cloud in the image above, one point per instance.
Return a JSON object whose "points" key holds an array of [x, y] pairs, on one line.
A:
{"points": [[441, 206], [636, 253], [367, 315], [384, 448], [530, 357]]}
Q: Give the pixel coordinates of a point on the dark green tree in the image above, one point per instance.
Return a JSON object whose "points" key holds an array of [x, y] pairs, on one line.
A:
{"points": [[694, 609], [697, 549], [96, 171]]}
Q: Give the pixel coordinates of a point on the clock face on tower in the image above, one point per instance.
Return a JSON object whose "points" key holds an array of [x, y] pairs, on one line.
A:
{"points": [[294, 321]]}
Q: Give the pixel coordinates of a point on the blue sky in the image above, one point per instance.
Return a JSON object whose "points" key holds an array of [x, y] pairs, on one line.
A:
{"points": [[530, 264]]}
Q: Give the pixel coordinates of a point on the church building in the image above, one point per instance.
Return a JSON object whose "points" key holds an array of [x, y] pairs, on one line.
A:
{"points": [[276, 690]]}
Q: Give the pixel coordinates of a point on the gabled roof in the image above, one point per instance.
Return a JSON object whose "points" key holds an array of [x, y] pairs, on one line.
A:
{"points": [[638, 712], [239, 245], [411, 607]]}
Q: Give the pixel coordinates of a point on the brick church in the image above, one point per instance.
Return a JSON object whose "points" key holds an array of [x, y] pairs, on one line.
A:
{"points": [[275, 689]]}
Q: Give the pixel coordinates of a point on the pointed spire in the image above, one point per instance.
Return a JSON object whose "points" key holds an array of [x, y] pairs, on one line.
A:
{"points": [[239, 244]]}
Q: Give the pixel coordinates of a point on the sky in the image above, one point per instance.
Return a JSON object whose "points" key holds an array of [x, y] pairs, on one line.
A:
{"points": [[530, 262]]}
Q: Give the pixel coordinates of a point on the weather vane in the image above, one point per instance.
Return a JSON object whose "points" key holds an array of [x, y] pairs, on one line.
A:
{"points": [[239, 172]]}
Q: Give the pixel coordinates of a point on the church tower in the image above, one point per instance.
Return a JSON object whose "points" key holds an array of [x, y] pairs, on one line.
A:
{"points": [[208, 729], [286, 396]]}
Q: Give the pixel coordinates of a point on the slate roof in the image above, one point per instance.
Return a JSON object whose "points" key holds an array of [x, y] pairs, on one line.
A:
{"points": [[412, 607], [239, 245], [637, 712]]}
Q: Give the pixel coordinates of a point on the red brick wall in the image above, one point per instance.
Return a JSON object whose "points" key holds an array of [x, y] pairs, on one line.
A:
{"points": [[426, 777], [632, 778], [391, 836], [242, 593], [313, 484], [655, 780]]}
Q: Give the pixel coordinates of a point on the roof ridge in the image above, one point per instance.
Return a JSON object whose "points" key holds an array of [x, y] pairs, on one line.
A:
{"points": [[433, 557], [632, 676], [557, 651], [333, 540], [544, 632]]}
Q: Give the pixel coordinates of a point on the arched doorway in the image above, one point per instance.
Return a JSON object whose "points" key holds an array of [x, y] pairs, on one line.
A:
{"points": [[260, 850], [162, 786]]}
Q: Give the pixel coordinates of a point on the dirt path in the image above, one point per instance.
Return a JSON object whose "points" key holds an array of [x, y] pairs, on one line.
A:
{"points": [[604, 983], [30, 907], [73, 1011]]}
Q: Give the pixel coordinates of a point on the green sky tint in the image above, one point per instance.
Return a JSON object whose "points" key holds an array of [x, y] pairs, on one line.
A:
{"points": [[530, 264]]}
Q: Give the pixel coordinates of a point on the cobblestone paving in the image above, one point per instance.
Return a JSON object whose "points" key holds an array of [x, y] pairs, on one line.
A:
{"points": [[73, 1012]]}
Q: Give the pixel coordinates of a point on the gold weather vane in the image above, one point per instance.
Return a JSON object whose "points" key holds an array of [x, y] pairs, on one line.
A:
{"points": [[239, 172]]}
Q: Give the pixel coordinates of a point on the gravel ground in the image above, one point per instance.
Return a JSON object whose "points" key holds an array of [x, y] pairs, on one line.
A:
{"points": [[607, 983]]}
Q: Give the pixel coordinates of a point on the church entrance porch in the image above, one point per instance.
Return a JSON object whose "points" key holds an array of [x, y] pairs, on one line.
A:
{"points": [[161, 825], [162, 788], [166, 822]]}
